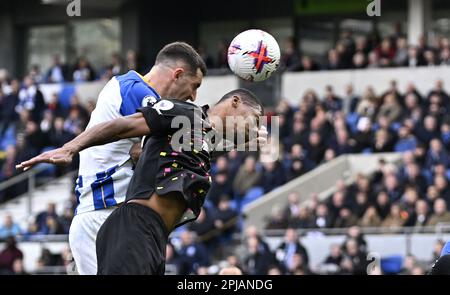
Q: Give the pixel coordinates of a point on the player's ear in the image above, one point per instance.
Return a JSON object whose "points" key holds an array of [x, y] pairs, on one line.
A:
{"points": [[177, 73], [235, 101]]}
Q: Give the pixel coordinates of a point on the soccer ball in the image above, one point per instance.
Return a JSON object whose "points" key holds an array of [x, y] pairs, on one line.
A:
{"points": [[254, 55]]}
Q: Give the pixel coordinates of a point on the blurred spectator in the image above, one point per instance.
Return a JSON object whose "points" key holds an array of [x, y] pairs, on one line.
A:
{"points": [[205, 56], [440, 213], [308, 64], [436, 155], [322, 218], [8, 103], [252, 232], [276, 220], [8, 255], [370, 218], [116, 64], [414, 58], [272, 176], [222, 54], [354, 261], [18, 267], [58, 136], [407, 141], [66, 219], [437, 250], [382, 205], [247, 177], [42, 218], [9, 228], [385, 52], [334, 61], [401, 54], [203, 225], [83, 71], [333, 261], [408, 264], [291, 57], [421, 214], [192, 254], [225, 218], [58, 72], [274, 271], [418, 271], [48, 258], [332, 102], [35, 73], [258, 259], [30, 99], [345, 218], [390, 108], [171, 259], [285, 252], [230, 271], [293, 207]]}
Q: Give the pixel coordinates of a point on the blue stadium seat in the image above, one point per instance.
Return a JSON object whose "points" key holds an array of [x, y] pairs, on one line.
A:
{"points": [[50, 170], [352, 121], [252, 194], [448, 174], [66, 93], [392, 264], [367, 151], [9, 138]]}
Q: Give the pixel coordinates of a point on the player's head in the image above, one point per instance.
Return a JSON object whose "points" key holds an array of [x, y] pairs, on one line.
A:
{"points": [[180, 70], [236, 109]]}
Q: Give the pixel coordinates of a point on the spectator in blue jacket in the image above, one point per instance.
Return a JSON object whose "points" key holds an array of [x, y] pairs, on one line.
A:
{"points": [[9, 228]]}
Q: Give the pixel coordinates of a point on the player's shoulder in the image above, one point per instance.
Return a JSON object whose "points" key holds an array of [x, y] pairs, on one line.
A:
{"points": [[128, 76], [175, 106]]}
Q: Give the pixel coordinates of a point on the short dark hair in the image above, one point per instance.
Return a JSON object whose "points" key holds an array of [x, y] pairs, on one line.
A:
{"points": [[181, 51], [248, 98]]}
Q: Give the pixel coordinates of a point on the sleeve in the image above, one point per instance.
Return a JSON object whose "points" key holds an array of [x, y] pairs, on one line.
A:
{"points": [[135, 95], [159, 117]]}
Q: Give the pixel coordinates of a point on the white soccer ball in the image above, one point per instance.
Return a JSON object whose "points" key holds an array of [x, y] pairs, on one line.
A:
{"points": [[254, 55]]}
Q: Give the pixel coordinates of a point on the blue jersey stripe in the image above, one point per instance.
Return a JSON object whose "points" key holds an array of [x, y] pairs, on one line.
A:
{"points": [[77, 190], [103, 189]]}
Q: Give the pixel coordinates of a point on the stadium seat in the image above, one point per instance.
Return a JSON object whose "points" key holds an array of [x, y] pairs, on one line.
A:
{"points": [[66, 93], [352, 120], [253, 194], [392, 264], [8, 139]]}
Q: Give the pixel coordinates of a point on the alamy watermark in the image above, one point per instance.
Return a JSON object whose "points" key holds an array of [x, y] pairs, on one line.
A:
{"points": [[374, 8], [374, 266], [231, 133], [74, 8]]}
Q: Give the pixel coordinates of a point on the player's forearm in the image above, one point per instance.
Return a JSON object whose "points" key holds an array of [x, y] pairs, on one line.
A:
{"points": [[100, 134]]}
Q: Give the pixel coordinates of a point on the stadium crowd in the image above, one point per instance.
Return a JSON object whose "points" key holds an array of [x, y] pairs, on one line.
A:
{"points": [[370, 51]]}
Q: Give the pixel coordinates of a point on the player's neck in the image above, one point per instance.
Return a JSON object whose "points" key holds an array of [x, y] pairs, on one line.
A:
{"points": [[215, 115], [156, 79]]}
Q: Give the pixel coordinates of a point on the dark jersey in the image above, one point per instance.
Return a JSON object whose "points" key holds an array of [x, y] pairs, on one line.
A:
{"points": [[167, 165]]}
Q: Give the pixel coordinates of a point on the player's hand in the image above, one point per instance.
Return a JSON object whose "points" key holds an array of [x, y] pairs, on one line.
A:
{"points": [[258, 142], [62, 156], [262, 136], [135, 152]]}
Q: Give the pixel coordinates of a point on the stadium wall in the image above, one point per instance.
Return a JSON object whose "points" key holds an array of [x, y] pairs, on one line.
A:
{"points": [[294, 85]]}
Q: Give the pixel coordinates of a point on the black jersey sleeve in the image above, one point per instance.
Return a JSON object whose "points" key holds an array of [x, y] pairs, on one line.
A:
{"points": [[159, 116]]}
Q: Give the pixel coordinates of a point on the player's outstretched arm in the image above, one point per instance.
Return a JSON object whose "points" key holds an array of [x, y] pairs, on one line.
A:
{"points": [[114, 130]]}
